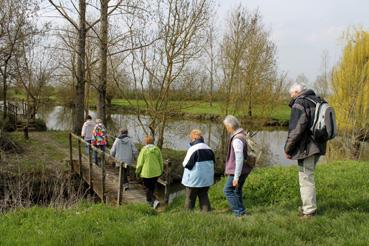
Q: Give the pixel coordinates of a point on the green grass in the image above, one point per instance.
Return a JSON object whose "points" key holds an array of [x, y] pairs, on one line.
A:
{"points": [[42, 150], [271, 195], [280, 112]]}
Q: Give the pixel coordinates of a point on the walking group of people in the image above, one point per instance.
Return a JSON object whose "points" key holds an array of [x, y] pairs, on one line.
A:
{"points": [[199, 161], [149, 165]]}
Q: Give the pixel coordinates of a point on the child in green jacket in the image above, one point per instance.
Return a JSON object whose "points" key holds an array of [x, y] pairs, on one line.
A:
{"points": [[150, 167]]}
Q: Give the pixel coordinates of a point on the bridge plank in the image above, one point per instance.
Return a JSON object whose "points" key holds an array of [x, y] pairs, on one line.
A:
{"points": [[135, 193]]}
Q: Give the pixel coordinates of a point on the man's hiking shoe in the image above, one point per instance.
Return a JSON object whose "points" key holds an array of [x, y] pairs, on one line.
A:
{"points": [[155, 204], [308, 216], [302, 215]]}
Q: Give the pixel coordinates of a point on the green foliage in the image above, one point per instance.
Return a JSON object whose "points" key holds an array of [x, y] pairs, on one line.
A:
{"points": [[351, 83], [40, 125], [271, 195]]}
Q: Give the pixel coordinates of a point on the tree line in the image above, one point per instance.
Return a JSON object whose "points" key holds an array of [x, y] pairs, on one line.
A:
{"points": [[155, 54]]}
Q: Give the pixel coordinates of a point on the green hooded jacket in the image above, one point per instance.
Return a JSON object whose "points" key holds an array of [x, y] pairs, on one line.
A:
{"points": [[149, 162]]}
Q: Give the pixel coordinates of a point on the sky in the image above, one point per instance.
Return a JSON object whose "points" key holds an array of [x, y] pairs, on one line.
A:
{"points": [[303, 29]]}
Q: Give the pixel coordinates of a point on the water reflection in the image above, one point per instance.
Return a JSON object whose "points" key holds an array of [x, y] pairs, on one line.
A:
{"points": [[176, 134]]}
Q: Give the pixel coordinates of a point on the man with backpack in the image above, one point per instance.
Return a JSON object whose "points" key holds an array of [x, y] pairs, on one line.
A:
{"points": [[311, 116]]}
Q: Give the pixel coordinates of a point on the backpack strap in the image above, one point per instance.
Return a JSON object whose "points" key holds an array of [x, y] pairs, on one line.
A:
{"points": [[311, 100], [316, 113]]}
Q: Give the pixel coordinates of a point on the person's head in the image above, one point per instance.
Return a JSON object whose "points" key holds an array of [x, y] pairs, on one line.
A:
{"points": [[231, 123], [196, 135], [123, 131], [88, 117], [296, 90], [148, 140], [98, 121]]}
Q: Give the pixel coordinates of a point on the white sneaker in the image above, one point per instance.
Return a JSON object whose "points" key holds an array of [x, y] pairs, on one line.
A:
{"points": [[155, 204]]}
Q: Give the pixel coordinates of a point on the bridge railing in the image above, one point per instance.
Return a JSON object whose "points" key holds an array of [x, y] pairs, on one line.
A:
{"points": [[11, 110], [106, 158]]}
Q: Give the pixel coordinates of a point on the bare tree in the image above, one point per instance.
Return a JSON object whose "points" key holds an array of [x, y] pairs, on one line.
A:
{"points": [[34, 68], [302, 79], [81, 27], [248, 63], [322, 83], [14, 27], [211, 53], [179, 30]]}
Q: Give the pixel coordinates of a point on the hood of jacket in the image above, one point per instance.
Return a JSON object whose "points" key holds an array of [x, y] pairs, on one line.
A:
{"points": [[150, 148], [304, 93], [90, 123], [124, 139]]}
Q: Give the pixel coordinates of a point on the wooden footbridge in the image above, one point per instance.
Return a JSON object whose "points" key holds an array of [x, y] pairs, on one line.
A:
{"points": [[105, 179]]}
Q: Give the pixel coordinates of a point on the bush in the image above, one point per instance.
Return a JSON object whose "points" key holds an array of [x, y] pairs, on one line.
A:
{"points": [[40, 125]]}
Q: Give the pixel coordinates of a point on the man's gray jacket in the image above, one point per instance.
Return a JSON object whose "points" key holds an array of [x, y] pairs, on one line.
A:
{"points": [[300, 143]]}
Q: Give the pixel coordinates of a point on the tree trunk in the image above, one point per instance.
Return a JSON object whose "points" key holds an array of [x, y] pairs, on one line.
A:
{"points": [[109, 101], [211, 83], [87, 91], [101, 108], [161, 132], [5, 92], [79, 102], [250, 102]]}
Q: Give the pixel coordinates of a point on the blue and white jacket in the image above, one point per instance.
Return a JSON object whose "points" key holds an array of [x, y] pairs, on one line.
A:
{"points": [[198, 166]]}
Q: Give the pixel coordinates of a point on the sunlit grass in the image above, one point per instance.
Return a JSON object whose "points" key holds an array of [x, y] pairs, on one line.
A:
{"points": [[271, 196], [279, 112]]}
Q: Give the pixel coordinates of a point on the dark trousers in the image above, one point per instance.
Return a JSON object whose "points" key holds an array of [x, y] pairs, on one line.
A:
{"points": [[125, 175], [202, 194], [150, 184]]}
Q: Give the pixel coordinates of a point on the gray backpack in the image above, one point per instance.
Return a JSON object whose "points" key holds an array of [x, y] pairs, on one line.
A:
{"points": [[324, 126]]}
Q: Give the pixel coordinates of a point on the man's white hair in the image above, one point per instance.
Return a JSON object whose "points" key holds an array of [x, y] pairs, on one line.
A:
{"points": [[232, 121], [297, 87]]}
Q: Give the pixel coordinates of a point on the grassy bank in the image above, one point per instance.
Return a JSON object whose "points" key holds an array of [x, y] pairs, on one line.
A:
{"points": [[280, 112], [43, 150], [271, 195]]}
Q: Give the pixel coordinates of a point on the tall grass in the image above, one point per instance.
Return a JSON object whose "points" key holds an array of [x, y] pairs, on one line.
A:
{"points": [[271, 196]]}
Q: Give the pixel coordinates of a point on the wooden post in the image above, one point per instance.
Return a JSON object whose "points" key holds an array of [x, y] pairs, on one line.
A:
{"points": [[70, 152], [80, 157], [168, 181], [103, 176], [120, 189], [25, 133], [15, 116], [90, 165], [168, 171]]}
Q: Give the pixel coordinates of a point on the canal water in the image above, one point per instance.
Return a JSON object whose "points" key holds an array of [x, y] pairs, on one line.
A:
{"points": [[177, 133]]}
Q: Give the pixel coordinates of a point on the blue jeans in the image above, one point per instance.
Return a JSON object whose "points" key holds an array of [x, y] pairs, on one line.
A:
{"points": [[102, 147], [234, 195]]}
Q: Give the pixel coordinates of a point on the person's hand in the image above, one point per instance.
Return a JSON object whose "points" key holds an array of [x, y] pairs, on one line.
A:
{"points": [[235, 182], [288, 156]]}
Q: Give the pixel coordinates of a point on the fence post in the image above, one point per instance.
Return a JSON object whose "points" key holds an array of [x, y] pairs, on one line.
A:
{"points": [[80, 157], [103, 175], [70, 152], [120, 189], [15, 116], [168, 180], [90, 165]]}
